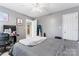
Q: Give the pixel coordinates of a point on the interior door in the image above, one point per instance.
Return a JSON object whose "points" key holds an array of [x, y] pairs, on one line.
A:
{"points": [[31, 28], [70, 26], [34, 28]]}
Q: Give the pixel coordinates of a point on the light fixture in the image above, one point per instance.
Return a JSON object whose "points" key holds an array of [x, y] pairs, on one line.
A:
{"points": [[38, 7]]}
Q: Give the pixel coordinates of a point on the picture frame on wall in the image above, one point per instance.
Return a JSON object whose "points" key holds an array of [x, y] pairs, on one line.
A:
{"points": [[19, 21], [4, 16]]}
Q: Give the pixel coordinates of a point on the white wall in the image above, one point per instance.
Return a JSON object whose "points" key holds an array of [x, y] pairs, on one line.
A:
{"points": [[51, 25]]}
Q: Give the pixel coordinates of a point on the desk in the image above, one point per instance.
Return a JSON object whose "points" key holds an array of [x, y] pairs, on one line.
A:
{"points": [[13, 38]]}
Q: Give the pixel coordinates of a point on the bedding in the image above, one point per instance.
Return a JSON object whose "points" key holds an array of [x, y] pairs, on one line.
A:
{"points": [[49, 47], [32, 40]]}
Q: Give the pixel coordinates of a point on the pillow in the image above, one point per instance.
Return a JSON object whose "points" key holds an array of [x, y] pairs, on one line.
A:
{"points": [[32, 40]]}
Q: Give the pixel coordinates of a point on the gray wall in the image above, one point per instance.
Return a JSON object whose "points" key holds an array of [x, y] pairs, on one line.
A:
{"points": [[52, 23], [12, 21]]}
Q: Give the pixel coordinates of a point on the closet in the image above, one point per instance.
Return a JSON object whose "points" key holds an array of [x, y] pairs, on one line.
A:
{"points": [[70, 26]]}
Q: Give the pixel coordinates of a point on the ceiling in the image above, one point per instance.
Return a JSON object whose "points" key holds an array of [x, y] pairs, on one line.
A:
{"points": [[47, 8]]}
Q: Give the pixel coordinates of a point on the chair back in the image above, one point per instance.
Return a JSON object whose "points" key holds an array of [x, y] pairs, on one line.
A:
{"points": [[4, 38]]}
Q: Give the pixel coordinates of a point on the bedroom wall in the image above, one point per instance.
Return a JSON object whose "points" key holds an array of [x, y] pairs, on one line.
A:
{"points": [[52, 23], [12, 21]]}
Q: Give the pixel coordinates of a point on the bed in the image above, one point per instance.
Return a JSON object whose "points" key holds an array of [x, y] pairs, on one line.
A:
{"points": [[49, 47]]}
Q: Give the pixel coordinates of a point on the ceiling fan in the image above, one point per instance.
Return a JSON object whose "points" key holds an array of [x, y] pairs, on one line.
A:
{"points": [[38, 7]]}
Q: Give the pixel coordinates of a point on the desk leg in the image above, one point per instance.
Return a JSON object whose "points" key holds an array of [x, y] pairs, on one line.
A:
{"points": [[14, 39]]}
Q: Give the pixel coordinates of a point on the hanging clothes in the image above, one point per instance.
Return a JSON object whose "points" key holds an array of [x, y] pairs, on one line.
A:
{"points": [[39, 30]]}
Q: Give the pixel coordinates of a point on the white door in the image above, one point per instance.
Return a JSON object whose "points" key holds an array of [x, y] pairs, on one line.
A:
{"points": [[31, 28], [70, 26], [34, 28]]}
